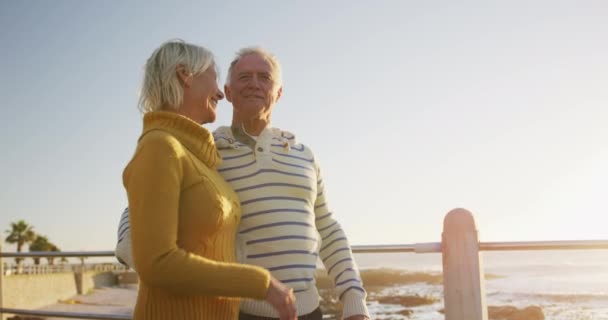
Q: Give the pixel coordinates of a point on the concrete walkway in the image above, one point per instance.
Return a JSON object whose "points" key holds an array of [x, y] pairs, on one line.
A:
{"points": [[110, 300]]}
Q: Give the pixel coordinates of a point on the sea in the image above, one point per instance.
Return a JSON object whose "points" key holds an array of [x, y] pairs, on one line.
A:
{"points": [[566, 284]]}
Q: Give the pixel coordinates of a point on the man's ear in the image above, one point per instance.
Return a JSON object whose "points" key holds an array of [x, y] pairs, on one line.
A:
{"points": [[279, 93], [228, 93], [183, 75]]}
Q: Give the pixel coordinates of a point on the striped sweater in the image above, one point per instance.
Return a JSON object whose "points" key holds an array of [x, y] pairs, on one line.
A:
{"points": [[286, 224]]}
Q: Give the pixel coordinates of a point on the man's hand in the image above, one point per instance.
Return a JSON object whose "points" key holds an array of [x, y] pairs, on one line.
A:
{"points": [[357, 317], [282, 299]]}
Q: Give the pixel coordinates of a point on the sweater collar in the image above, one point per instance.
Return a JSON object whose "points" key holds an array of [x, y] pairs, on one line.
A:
{"points": [[189, 133], [241, 136]]}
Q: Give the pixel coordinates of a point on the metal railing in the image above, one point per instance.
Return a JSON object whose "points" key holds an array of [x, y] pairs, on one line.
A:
{"points": [[60, 314], [461, 282], [58, 254], [435, 247]]}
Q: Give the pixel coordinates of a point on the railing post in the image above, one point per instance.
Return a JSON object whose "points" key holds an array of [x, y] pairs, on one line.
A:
{"points": [[463, 277], [79, 276], [2, 316]]}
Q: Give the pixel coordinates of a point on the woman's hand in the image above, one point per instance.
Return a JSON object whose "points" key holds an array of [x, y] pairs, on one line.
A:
{"points": [[282, 299]]}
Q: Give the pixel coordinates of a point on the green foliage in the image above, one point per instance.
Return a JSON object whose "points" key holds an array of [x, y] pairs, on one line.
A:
{"points": [[41, 243], [20, 233]]}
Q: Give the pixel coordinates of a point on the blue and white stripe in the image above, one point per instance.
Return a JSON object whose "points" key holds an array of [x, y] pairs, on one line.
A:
{"points": [[123, 225], [286, 223]]}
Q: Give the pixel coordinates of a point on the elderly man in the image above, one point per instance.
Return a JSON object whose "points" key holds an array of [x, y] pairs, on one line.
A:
{"points": [[286, 223]]}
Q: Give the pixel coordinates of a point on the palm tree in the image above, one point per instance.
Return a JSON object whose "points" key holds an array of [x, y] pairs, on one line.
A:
{"points": [[20, 233], [52, 248], [42, 244]]}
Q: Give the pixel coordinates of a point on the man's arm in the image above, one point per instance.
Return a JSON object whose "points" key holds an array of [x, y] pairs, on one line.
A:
{"points": [[336, 254], [123, 244]]}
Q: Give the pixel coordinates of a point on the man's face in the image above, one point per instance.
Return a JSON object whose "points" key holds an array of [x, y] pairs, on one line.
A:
{"points": [[253, 90]]}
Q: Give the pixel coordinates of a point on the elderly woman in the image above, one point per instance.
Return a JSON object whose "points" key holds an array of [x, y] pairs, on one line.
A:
{"points": [[183, 214]]}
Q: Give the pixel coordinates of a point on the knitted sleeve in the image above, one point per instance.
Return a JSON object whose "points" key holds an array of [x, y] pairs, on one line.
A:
{"points": [[153, 180], [336, 254]]}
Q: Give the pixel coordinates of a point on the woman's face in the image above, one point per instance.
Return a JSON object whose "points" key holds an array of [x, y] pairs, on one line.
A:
{"points": [[201, 95]]}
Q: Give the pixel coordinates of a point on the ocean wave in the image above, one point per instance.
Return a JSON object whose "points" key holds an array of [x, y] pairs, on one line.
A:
{"points": [[384, 277], [402, 294], [564, 297]]}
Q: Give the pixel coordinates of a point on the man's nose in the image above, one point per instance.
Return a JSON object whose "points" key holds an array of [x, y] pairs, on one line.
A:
{"points": [[255, 82]]}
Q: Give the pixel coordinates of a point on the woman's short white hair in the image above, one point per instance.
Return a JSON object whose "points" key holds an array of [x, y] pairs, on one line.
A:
{"points": [[271, 58], [161, 86]]}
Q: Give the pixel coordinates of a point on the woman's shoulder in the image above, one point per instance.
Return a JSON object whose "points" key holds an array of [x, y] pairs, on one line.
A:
{"points": [[156, 151], [157, 148], [159, 139]]}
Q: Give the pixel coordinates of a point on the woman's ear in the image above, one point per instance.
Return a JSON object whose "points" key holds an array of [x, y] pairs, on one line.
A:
{"points": [[183, 75]]}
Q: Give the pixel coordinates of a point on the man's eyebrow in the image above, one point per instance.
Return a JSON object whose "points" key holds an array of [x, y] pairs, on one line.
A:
{"points": [[254, 72]]}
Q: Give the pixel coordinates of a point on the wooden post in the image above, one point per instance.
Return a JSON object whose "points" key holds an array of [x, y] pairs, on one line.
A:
{"points": [[79, 276], [2, 316], [463, 275]]}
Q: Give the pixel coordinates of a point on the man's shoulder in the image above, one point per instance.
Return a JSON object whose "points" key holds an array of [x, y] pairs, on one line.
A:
{"points": [[223, 132], [288, 137], [224, 138], [296, 148], [284, 134]]}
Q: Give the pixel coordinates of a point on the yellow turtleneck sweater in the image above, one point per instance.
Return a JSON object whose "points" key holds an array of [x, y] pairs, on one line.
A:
{"points": [[183, 222]]}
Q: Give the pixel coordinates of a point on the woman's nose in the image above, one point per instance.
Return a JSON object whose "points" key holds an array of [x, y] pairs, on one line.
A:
{"points": [[220, 95]]}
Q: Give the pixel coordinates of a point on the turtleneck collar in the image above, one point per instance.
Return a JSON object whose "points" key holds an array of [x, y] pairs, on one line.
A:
{"points": [[189, 133]]}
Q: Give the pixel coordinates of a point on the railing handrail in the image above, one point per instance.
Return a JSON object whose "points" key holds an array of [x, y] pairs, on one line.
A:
{"points": [[424, 247], [61, 314], [435, 247], [544, 245], [66, 254]]}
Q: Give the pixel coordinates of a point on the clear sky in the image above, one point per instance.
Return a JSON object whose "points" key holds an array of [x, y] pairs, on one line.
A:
{"points": [[412, 108]]}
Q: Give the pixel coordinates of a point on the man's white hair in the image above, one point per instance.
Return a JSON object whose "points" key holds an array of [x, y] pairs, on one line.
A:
{"points": [[271, 58]]}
